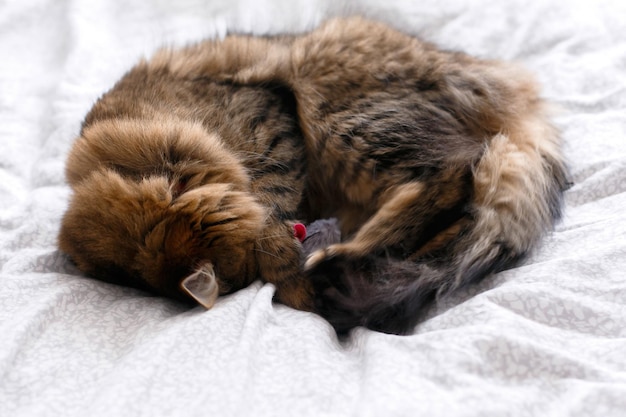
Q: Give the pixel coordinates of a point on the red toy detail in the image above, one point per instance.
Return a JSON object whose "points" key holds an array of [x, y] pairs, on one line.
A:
{"points": [[299, 231]]}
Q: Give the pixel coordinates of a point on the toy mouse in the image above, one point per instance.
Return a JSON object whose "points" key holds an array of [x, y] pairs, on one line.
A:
{"points": [[319, 234]]}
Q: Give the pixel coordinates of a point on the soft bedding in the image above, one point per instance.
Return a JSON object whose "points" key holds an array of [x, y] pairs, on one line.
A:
{"points": [[547, 338]]}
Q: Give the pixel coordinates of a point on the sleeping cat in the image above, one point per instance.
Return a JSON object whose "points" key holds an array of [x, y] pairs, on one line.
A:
{"points": [[177, 177], [189, 174]]}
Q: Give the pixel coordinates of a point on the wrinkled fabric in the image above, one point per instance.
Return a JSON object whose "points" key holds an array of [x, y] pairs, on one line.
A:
{"points": [[547, 338]]}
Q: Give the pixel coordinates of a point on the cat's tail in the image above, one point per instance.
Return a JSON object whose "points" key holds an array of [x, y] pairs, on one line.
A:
{"points": [[517, 195]]}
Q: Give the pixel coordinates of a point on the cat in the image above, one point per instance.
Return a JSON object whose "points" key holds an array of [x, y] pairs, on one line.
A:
{"points": [[441, 168], [176, 176]]}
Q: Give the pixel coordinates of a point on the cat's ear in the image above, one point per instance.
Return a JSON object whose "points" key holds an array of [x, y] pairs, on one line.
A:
{"points": [[202, 286]]}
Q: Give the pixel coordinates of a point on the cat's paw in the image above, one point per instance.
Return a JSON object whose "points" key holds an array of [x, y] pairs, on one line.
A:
{"points": [[317, 257], [279, 256], [348, 250]]}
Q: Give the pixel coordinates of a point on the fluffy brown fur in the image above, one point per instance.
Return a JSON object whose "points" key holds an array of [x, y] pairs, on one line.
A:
{"points": [[172, 173], [440, 168]]}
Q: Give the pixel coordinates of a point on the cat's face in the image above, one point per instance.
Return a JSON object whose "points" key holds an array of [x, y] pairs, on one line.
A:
{"points": [[160, 206]]}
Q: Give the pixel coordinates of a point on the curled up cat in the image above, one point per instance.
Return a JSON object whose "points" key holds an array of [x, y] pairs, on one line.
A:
{"points": [[189, 174]]}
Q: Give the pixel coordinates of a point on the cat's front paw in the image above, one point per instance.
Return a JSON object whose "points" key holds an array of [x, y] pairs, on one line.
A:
{"points": [[279, 256]]}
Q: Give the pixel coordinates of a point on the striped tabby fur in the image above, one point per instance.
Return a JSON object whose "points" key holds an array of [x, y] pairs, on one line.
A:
{"points": [[440, 167]]}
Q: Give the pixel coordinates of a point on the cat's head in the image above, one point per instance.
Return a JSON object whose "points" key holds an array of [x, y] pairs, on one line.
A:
{"points": [[160, 206]]}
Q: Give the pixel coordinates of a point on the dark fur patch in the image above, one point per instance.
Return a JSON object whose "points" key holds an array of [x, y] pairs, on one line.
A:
{"points": [[230, 142], [379, 293]]}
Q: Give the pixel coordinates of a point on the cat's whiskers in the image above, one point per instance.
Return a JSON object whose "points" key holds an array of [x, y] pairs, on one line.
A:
{"points": [[270, 237], [273, 255]]}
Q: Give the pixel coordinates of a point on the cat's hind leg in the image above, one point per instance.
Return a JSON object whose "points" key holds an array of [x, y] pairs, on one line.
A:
{"points": [[361, 281], [386, 227], [409, 216]]}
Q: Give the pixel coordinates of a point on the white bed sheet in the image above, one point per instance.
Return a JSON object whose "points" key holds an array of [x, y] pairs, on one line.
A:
{"points": [[547, 338]]}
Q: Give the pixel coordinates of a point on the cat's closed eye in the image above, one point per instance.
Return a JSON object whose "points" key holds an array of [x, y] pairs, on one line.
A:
{"points": [[180, 185]]}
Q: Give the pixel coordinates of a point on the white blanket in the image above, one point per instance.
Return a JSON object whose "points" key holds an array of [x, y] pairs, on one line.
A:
{"points": [[547, 338]]}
